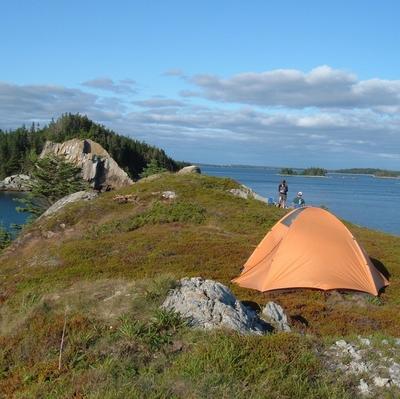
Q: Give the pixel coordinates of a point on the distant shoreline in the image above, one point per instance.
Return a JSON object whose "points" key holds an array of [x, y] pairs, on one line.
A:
{"points": [[300, 175], [329, 172], [387, 177]]}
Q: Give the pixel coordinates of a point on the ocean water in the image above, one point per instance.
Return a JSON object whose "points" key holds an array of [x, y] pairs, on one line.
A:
{"points": [[361, 199], [8, 213]]}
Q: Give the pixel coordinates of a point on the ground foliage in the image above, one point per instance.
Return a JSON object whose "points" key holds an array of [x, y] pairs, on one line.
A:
{"points": [[108, 266], [5, 238], [152, 168]]}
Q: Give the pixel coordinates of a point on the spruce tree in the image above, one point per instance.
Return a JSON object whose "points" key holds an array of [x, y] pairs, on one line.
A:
{"points": [[52, 178]]}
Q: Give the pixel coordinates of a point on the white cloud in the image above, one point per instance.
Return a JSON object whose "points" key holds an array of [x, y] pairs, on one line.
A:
{"points": [[322, 87], [124, 86], [158, 102], [174, 72]]}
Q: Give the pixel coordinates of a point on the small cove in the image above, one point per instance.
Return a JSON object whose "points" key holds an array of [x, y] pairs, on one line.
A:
{"points": [[8, 213]]}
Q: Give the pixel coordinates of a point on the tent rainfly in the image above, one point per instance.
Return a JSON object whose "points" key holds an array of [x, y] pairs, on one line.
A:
{"points": [[310, 248]]}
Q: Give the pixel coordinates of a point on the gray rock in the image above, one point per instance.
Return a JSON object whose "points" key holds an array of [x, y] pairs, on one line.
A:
{"points": [[98, 168], [363, 388], [275, 314], [49, 234], [69, 199], [208, 305], [247, 193], [358, 367], [381, 382], [341, 343], [15, 183], [189, 169], [365, 341], [169, 194], [394, 372]]}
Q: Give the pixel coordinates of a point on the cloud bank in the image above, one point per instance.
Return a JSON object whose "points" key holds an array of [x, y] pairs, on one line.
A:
{"points": [[322, 87], [324, 117]]}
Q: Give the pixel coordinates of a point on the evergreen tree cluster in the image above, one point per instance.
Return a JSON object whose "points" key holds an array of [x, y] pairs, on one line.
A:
{"points": [[20, 148], [313, 171], [52, 178]]}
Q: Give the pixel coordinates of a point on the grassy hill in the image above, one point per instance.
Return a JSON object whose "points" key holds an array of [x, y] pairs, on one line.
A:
{"points": [[101, 269]]}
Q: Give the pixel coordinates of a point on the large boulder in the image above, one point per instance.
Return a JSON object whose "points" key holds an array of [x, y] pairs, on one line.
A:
{"points": [[208, 305], [69, 199], [98, 168], [189, 169], [247, 193], [15, 183]]}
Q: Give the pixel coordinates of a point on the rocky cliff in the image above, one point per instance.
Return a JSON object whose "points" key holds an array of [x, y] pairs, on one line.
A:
{"points": [[98, 168]]}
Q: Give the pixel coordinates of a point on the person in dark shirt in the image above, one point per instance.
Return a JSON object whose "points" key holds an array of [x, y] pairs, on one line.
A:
{"points": [[282, 191]]}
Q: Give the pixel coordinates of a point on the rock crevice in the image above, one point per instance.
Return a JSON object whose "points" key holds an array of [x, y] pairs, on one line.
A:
{"points": [[98, 168]]}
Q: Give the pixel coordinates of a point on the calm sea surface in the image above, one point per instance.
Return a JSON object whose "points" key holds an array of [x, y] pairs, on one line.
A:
{"points": [[8, 214], [363, 200]]}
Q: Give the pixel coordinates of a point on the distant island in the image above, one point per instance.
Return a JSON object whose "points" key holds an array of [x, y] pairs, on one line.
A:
{"points": [[306, 172], [371, 171]]}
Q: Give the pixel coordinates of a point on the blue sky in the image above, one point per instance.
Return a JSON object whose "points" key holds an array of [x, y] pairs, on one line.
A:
{"points": [[263, 82]]}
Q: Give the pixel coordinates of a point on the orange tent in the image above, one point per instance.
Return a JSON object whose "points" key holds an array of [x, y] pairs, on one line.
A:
{"points": [[310, 248]]}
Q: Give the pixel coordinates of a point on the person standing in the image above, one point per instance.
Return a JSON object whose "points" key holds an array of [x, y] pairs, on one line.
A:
{"points": [[282, 191]]}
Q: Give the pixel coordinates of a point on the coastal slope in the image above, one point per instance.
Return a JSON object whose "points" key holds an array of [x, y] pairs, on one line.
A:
{"points": [[96, 272]]}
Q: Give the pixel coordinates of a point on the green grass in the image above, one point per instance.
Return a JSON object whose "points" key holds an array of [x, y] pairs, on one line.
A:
{"points": [[110, 265], [136, 357]]}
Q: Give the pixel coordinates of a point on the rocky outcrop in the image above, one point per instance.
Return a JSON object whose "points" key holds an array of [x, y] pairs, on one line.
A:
{"points": [[189, 169], [69, 199], [15, 183], [375, 363], [275, 315], [208, 305], [98, 168], [247, 193]]}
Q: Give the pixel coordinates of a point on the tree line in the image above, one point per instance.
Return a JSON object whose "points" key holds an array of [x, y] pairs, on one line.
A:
{"points": [[313, 171], [19, 148], [371, 171]]}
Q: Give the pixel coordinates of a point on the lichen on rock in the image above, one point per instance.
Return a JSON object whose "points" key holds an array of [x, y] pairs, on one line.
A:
{"points": [[208, 304]]}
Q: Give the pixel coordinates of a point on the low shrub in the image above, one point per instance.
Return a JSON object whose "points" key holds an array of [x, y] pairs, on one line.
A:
{"points": [[155, 333], [158, 213]]}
